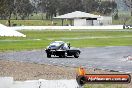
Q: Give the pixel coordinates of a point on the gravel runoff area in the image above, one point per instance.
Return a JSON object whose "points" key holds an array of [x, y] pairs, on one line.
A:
{"points": [[32, 71], [22, 71]]}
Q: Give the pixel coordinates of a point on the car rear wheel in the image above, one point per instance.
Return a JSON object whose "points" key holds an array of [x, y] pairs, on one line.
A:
{"points": [[60, 56], [48, 55], [76, 55]]}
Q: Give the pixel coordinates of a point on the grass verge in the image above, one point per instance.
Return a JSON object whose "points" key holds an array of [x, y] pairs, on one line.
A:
{"points": [[41, 39]]}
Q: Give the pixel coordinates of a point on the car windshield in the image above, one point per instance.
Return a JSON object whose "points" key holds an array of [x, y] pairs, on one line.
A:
{"points": [[56, 43]]}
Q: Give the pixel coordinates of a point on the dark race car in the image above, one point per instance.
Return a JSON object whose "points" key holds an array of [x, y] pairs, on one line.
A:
{"points": [[62, 49]]}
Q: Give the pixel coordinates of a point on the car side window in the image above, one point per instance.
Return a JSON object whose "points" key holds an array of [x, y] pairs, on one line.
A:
{"points": [[65, 46]]}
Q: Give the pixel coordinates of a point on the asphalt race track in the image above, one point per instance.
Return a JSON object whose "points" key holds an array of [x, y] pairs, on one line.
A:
{"points": [[112, 58]]}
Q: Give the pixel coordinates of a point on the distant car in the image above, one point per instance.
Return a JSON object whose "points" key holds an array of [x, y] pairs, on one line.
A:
{"points": [[62, 49], [127, 26]]}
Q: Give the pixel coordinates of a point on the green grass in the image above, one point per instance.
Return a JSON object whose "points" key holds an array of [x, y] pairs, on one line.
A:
{"points": [[33, 16], [35, 22], [41, 39], [106, 86]]}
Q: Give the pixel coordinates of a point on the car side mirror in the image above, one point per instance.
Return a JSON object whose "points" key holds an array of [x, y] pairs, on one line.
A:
{"points": [[69, 45]]}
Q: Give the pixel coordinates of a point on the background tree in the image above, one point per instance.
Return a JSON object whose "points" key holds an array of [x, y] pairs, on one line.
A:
{"points": [[17, 7], [6, 9], [64, 7], [49, 7], [24, 8], [35, 4], [107, 7], [90, 5], [129, 5]]}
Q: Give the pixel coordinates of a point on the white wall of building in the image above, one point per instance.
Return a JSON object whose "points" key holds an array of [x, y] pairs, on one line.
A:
{"points": [[104, 20], [79, 22], [89, 22], [96, 22]]}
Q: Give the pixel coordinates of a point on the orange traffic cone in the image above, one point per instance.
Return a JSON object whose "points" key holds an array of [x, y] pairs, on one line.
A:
{"points": [[81, 71]]}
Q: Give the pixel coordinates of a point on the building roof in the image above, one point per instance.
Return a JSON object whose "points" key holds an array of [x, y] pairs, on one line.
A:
{"points": [[77, 14], [7, 31]]}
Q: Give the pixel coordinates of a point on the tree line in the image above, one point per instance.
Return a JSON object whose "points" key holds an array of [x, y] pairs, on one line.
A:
{"points": [[21, 8], [52, 8]]}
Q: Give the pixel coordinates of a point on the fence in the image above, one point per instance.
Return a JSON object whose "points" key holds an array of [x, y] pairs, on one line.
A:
{"points": [[66, 27]]}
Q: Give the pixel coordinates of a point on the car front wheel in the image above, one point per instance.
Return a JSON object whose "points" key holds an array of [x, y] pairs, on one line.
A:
{"points": [[48, 55], [76, 55]]}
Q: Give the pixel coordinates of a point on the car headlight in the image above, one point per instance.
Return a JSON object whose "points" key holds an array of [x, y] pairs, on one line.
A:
{"points": [[47, 48]]}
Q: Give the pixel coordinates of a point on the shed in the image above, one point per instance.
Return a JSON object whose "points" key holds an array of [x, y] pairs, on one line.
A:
{"points": [[81, 18]]}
